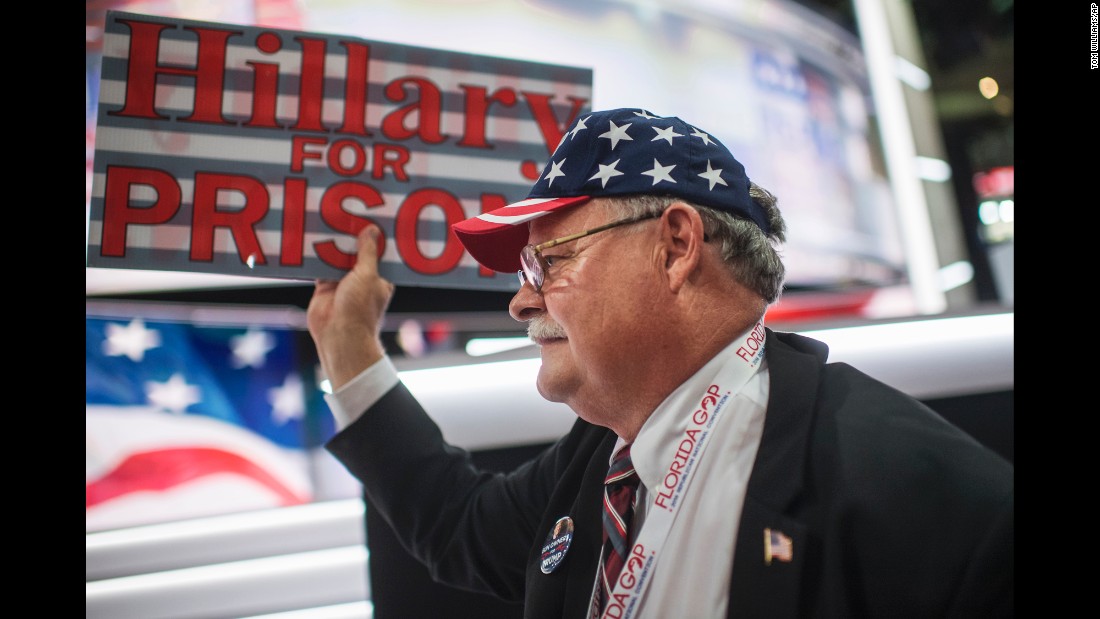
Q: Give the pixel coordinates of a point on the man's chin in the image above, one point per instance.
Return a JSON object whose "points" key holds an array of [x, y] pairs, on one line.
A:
{"points": [[549, 383]]}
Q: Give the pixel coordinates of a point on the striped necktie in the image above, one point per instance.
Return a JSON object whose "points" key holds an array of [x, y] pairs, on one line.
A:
{"points": [[620, 495]]}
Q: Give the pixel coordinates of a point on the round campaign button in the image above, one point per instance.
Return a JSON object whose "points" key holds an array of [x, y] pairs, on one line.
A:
{"points": [[557, 544]]}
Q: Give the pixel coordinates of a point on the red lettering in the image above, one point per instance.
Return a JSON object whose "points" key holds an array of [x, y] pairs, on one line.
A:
{"points": [[392, 157], [662, 500], [348, 157], [420, 117], [206, 217], [406, 231], [752, 344], [428, 110], [336, 157], [674, 477], [298, 152], [144, 67], [118, 213], [699, 417], [626, 579], [355, 89], [683, 450], [311, 86], [228, 206], [634, 562], [333, 214], [265, 89], [477, 102], [294, 222]]}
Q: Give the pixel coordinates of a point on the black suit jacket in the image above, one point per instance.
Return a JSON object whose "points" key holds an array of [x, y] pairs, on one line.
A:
{"points": [[892, 511]]}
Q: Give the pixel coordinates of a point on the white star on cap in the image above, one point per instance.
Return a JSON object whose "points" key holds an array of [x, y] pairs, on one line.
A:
{"points": [[714, 176], [606, 172], [660, 172], [702, 136], [616, 133], [646, 115], [555, 171], [562, 141], [666, 134], [577, 128]]}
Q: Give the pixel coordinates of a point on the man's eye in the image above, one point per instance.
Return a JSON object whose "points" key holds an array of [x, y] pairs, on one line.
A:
{"points": [[550, 260]]}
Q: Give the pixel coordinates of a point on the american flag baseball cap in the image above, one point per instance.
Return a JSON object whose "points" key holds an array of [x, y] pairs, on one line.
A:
{"points": [[614, 153]]}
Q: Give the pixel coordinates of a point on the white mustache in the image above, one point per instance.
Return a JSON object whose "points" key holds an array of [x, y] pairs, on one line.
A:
{"points": [[543, 328]]}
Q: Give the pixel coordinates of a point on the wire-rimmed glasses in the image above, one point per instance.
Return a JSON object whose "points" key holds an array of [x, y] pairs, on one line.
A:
{"points": [[533, 265]]}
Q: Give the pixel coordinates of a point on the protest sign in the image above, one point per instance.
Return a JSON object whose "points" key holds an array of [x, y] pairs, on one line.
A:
{"points": [[245, 150]]}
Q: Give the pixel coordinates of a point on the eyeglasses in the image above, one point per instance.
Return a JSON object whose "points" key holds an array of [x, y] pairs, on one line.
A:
{"points": [[533, 264]]}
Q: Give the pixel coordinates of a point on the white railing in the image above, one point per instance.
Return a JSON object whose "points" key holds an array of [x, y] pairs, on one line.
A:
{"points": [[309, 559]]}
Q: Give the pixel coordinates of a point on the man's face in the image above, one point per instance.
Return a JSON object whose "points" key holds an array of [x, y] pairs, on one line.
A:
{"points": [[591, 316]]}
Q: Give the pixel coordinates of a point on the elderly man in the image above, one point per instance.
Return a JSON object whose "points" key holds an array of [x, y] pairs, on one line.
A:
{"points": [[717, 468]]}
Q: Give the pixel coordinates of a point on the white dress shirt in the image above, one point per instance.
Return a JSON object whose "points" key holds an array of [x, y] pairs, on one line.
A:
{"points": [[691, 578]]}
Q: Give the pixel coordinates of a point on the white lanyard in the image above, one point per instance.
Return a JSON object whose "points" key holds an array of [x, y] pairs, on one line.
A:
{"points": [[665, 505]]}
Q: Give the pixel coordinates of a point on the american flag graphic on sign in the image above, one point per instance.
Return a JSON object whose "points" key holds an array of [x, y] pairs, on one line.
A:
{"points": [[255, 151]]}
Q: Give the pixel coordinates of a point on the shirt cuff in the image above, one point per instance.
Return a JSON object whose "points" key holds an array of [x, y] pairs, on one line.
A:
{"points": [[350, 401]]}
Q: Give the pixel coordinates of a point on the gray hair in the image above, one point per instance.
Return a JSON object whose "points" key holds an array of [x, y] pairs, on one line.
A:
{"points": [[751, 255]]}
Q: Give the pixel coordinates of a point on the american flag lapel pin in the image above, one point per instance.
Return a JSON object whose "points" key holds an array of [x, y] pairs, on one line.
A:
{"points": [[777, 546]]}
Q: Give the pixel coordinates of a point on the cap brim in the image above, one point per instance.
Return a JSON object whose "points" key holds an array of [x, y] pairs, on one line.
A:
{"points": [[495, 238]]}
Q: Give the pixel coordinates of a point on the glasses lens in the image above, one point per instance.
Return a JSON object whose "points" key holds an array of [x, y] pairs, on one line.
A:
{"points": [[532, 267]]}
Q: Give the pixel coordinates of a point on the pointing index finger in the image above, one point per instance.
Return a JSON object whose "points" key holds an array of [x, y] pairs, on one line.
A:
{"points": [[368, 246]]}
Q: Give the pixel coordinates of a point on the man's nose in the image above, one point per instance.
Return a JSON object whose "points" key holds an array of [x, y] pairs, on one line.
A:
{"points": [[526, 304]]}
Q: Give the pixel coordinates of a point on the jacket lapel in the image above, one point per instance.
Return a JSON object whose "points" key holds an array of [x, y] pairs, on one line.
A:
{"points": [[589, 510], [763, 583], [567, 591]]}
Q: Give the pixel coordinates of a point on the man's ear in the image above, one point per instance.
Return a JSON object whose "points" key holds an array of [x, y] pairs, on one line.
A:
{"points": [[682, 236]]}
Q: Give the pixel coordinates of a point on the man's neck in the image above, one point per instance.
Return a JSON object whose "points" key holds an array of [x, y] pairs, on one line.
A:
{"points": [[666, 367]]}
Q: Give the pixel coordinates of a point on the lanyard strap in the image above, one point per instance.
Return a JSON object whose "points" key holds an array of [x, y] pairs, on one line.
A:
{"points": [[637, 570]]}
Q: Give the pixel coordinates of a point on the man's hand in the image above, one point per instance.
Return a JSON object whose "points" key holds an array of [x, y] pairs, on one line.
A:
{"points": [[345, 317]]}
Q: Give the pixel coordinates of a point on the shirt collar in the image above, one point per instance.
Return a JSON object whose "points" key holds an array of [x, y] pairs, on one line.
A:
{"points": [[661, 434]]}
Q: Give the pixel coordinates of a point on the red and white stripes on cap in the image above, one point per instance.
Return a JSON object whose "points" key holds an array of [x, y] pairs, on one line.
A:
{"points": [[495, 238]]}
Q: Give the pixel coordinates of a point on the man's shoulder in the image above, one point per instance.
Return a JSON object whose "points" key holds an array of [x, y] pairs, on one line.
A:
{"points": [[878, 427], [793, 343], [864, 417], [837, 382]]}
